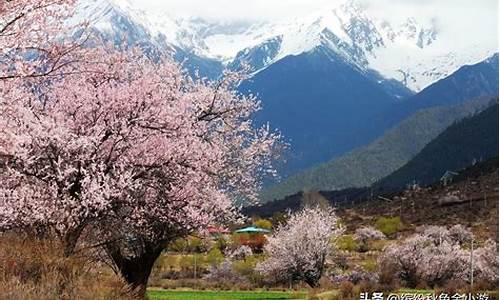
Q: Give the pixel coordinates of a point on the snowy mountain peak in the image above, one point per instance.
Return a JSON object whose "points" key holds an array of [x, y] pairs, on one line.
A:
{"points": [[410, 52]]}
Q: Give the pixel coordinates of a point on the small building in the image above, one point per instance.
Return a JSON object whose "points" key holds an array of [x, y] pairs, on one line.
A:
{"points": [[447, 177]]}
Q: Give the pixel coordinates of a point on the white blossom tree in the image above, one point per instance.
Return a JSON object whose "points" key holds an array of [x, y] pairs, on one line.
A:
{"points": [[486, 262], [364, 234], [298, 249], [436, 255]]}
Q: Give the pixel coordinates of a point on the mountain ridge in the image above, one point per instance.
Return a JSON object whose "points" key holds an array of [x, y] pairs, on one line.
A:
{"points": [[347, 29]]}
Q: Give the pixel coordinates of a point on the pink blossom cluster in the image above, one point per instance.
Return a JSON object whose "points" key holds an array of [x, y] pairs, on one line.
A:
{"points": [[298, 249], [36, 39]]}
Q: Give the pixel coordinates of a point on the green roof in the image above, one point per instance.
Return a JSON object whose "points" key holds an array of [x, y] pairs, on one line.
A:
{"points": [[252, 229]]}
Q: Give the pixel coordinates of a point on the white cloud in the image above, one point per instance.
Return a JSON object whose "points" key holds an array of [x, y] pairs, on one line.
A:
{"points": [[476, 20], [461, 22]]}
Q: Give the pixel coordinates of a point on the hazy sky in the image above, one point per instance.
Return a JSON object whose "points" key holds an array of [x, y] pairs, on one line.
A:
{"points": [[476, 10]]}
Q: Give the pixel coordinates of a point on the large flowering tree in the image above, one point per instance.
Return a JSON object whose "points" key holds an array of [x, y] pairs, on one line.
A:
{"points": [[134, 149], [94, 138], [298, 249]]}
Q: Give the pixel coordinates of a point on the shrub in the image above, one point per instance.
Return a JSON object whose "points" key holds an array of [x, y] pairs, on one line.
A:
{"points": [[191, 264], [365, 234], [433, 258], [369, 265], [453, 286], [368, 286], [355, 276], [178, 245], [340, 260], [486, 262], [377, 245], [389, 226], [240, 252], [246, 268], [263, 223], [221, 243], [460, 234], [188, 244], [214, 257], [435, 234], [346, 243], [346, 290], [224, 274], [387, 276]]}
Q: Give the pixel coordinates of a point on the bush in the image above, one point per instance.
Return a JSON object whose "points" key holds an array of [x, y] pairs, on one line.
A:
{"points": [[377, 245], [346, 290], [432, 258], [189, 244], [191, 264], [460, 234], [340, 260], [221, 243], [369, 265], [389, 226], [224, 275], [346, 243], [263, 223], [453, 286], [246, 268], [240, 253], [486, 262], [356, 276], [214, 257], [388, 274], [364, 234]]}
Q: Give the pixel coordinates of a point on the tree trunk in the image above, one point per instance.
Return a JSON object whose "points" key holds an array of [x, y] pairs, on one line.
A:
{"points": [[136, 269], [70, 239], [312, 281]]}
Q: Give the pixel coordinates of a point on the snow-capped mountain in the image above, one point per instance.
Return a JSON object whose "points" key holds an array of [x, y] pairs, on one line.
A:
{"points": [[411, 52]]}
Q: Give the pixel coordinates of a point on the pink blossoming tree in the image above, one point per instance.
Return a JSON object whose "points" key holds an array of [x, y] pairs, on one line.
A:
{"points": [[107, 140], [134, 149]]}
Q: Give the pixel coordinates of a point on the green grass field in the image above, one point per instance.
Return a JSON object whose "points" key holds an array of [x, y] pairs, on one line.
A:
{"points": [[158, 294]]}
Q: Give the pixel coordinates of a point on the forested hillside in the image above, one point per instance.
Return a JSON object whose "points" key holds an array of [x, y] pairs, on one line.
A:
{"points": [[472, 139], [366, 165]]}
